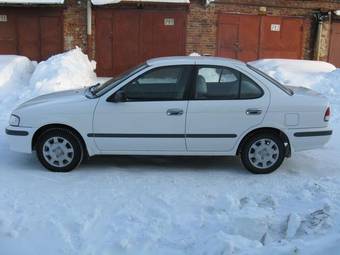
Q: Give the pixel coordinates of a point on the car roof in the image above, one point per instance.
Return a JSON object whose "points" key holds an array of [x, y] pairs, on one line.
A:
{"points": [[187, 60]]}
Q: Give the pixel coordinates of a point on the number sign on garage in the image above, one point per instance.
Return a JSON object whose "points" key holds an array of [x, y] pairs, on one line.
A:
{"points": [[35, 32], [125, 38], [249, 37]]}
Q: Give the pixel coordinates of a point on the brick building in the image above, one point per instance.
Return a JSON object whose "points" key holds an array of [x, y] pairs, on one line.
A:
{"points": [[122, 34]]}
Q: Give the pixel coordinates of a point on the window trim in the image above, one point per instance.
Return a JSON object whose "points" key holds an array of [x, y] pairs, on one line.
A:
{"points": [[193, 85], [186, 89]]}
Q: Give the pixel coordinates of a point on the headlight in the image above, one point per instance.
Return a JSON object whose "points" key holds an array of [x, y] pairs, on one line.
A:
{"points": [[14, 120]]}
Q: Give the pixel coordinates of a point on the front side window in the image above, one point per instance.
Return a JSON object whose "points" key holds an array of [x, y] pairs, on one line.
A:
{"points": [[221, 83], [164, 83]]}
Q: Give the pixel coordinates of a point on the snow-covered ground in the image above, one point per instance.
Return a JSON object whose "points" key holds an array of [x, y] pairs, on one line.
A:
{"points": [[166, 205]]}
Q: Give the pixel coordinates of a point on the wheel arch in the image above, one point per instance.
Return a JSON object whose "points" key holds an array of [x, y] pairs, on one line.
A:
{"points": [[44, 128], [262, 130]]}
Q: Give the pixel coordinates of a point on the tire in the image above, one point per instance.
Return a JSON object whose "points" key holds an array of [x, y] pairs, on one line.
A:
{"points": [[263, 153], [59, 150]]}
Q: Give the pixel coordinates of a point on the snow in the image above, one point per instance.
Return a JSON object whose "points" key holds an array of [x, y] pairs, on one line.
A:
{"points": [[32, 1], [103, 2], [15, 71], [166, 205], [64, 71], [21, 79], [194, 54]]}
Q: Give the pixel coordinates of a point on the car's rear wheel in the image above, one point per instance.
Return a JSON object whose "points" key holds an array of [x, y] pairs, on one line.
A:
{"points": [[263, 153], [59, 150]]}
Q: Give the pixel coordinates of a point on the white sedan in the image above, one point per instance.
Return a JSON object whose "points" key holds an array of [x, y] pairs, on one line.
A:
{"points": [[175, 106]]}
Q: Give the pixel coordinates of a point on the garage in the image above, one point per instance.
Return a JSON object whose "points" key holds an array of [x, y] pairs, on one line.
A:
{"points": [[249, 37], [33, 32], [127, 37], [334, 49]]}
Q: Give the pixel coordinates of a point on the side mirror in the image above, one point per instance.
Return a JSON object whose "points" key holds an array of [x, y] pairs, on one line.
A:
{"points": [[118, 97]]}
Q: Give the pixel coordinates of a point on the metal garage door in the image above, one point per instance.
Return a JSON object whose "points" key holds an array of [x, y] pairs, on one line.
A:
{"points": [[249, 37], [35, 33], [125, 38], [334, 51]]}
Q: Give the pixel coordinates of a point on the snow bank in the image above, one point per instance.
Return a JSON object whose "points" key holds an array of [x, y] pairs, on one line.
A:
{"points": [[22, 79], [194, 54], [15, 71], [69, 70], [305, 73], [320, 76]]}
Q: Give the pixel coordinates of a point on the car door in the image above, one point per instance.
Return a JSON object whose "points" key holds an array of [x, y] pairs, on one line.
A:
{"points": [[150, 115], [224, 104]]}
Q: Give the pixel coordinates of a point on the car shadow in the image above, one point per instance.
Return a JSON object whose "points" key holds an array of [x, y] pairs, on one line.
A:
{"points": [[165, 163]]}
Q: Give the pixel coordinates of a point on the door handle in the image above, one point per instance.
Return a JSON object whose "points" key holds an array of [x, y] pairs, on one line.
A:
{"points": [[174, 111], [253, 111]]}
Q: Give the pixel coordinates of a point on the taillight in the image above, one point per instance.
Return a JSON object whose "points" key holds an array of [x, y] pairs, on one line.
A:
{"points": [[327, 114]]}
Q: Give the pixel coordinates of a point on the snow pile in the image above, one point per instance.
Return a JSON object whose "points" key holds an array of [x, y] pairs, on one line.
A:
{"points": [[22, 79], [194, 54], [15, 72], [102, 2], [305, 73], [69, 70], [320, 76]]}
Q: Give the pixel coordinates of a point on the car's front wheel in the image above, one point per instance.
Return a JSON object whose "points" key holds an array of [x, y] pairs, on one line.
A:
{"points": [[263, 153], [59, 150]]}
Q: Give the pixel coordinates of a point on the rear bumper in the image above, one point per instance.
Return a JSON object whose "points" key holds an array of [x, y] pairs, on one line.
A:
{"points": [[308, 139], [20, 138]]}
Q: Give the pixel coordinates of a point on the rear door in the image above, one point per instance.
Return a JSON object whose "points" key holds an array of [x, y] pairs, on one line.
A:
{"points": [[225, 103]]}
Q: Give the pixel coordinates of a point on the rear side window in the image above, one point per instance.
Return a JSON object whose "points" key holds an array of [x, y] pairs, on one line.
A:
{"points": [[249, 89], [221, 83]]}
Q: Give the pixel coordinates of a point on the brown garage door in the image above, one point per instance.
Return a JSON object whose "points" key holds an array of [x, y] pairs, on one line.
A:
{"points": [[125, 38], [34, 32], [249, 37], [334, 51]]}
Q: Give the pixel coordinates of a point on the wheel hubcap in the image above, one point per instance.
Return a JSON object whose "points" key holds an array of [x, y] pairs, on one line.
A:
{"points": [[58, 151], [263, 153]]}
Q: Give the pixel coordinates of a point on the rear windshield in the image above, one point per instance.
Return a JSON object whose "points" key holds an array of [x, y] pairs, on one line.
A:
{"points": [[272, 80]]}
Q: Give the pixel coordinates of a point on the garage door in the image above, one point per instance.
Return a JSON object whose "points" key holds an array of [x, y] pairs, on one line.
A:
{"points": [[334, 51], [249, 37], [125, 38], [35, 33]]}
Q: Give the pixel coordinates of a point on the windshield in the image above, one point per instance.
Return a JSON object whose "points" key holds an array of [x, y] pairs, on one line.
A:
{"points": [[272, 80], [100, 89]]}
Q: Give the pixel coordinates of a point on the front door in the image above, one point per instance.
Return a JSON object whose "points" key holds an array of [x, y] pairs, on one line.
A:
{"points": [[150, 116], [225, 104]]}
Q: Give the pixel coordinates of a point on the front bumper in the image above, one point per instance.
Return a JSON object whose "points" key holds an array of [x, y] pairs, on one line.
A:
{"points": [[20, 138], [308, 139]]}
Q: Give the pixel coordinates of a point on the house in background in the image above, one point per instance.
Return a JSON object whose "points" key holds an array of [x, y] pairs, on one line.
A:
{"points": [[121, 34]]}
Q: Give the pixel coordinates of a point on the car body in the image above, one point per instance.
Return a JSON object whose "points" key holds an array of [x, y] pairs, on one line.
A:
{"points": [[177, 106]]}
